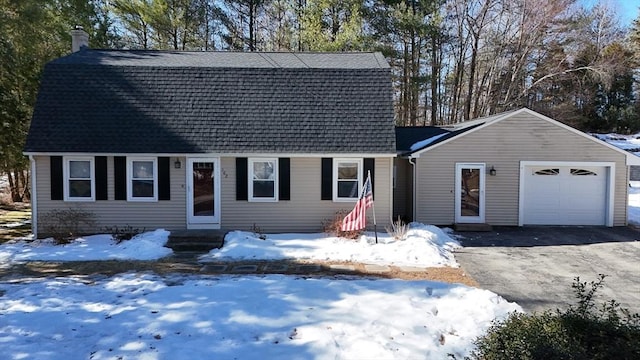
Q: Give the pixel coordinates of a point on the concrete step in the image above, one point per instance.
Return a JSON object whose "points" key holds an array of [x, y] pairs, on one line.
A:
{"points": [[195, 240], [471, 227]]}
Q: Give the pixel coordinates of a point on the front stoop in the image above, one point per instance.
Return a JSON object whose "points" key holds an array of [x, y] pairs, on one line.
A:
{"points": [[462, 227], [195, 240]]}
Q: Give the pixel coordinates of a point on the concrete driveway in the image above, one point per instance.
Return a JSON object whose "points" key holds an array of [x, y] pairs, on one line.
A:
{"points": [[535, 266]]}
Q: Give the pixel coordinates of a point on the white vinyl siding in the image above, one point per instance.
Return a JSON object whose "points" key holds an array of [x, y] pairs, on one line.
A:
{"points": [[165, 214], [79, 179], [503, 145], [305, 211]]}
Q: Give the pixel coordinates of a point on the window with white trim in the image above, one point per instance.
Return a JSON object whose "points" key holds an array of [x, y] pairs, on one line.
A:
{"points": [[142, 179], [347, 179], [79, 179], [263, 179]]}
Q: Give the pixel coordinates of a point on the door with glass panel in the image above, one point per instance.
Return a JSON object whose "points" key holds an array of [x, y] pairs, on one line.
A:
{"points": [[203, 193], [469, 195]]}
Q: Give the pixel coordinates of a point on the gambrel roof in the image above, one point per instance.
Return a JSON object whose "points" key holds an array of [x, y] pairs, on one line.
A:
{"points": [[119, 101]]}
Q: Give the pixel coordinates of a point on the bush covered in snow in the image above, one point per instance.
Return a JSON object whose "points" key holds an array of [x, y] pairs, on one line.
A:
{"points": [[585, 331]]}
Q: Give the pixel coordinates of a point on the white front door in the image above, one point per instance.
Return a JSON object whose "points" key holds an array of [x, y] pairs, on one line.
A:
{"points": [[203, 193], [469, 193]]}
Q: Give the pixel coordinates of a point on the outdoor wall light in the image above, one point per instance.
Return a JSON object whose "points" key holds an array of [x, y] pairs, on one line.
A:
{"points": [[177, 164], [492, 171]]}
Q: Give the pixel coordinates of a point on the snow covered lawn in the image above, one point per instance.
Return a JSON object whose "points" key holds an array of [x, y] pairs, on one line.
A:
{"points": [[146, 316], [425, 246], [634, 203], [143, 316], [147, 246]]}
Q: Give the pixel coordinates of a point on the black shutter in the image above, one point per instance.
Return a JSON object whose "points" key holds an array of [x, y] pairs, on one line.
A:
{"points": [[164, 179], [242, 192], [370, 166], [120, 177], [101, 178], [326, 179], [57, 178], [284, 176]]}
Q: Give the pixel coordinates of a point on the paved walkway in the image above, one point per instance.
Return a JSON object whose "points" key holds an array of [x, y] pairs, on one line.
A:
{"points": [[187, 263]]}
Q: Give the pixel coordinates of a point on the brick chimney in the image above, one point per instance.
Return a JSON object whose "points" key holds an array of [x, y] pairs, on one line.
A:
{"points": [[79, 39]]}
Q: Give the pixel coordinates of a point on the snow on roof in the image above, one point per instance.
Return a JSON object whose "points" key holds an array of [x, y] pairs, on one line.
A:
{"points": [[425, 142]]}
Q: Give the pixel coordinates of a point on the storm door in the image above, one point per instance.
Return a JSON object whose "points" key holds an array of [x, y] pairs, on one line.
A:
{"points": [[469, 193], [203, 193]]}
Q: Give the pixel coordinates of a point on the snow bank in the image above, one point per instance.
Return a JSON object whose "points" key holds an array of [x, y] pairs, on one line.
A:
{"points": [[145, 246], [425, 246]]}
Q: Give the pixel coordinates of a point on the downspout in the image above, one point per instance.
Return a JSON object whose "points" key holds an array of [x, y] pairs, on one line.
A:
{"points": [[391, 203], [413, 190], [34, 198]]}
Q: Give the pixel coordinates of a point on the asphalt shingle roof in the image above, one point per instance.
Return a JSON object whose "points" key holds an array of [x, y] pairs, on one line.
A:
{"points": [[406, 136], [100, 101]]}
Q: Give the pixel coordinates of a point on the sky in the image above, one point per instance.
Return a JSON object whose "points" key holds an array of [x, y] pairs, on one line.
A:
{"points": [[627, 9]]}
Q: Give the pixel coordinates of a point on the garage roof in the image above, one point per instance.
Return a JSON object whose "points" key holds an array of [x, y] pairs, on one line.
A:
{"points": [[460, 130]]}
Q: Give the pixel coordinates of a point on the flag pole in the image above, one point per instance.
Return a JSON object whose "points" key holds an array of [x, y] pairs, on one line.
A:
{"points": [[373, 208]]}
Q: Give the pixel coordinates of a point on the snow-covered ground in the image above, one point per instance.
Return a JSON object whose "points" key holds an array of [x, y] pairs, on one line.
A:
{"points": [[626, 142], [634, 203], [147, 246], [4, 182], [629, 143], [143, 316], [424, 246], [146, 316]]}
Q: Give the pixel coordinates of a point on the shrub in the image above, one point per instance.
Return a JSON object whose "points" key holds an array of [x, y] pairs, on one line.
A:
{"points": [[65, 224], [258, 232], [122, 234], [398, 229], [333, 226], [585, 331]]}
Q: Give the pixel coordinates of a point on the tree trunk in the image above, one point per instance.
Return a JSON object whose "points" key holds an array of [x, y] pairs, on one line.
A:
{"points": [[472, 72], [26, 192], [435, 76], [14, 186], [252, 23]]}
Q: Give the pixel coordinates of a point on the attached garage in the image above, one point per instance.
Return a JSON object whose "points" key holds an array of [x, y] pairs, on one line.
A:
{"points": [[512, 169], [566, 194]]}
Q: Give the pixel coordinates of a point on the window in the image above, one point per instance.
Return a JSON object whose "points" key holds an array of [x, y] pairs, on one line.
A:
{"points": [[79, 183], [547, 172], [263, 179], [582, 172], [347, 176], [142, 176]]}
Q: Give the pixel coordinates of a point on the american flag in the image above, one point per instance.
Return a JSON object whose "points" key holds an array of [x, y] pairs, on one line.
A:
{"points": [[356, 219]]}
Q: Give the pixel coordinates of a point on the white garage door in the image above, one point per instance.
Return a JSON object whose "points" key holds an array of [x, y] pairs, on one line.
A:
{"points": [[565, 195]]}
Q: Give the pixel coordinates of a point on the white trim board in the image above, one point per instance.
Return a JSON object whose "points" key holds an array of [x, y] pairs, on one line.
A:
{"points": [[222, 155]]}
